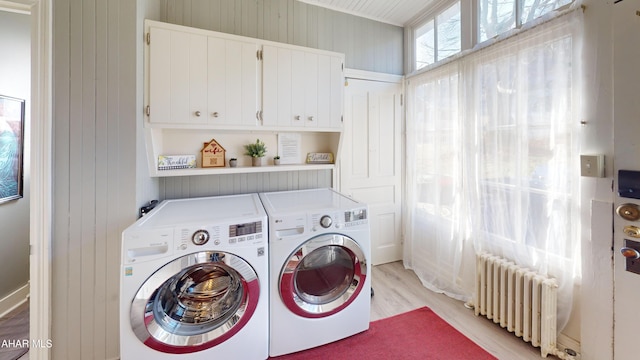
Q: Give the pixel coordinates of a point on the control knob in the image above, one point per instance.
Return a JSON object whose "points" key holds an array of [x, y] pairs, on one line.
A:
{"points": [[326, 221], [200, 237]]}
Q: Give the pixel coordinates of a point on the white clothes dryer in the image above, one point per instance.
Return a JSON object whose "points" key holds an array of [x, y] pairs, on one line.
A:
{"points": [[194, 281], [319, 250]]}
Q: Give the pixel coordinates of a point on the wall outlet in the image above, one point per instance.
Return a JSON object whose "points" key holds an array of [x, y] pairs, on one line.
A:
{"points": [[592, 165]]}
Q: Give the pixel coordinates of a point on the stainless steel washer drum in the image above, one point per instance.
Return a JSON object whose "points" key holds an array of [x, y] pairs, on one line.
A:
{"points": [[195, 302]]}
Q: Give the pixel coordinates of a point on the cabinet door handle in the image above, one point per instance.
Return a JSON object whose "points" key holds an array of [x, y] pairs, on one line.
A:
{"points": [[215, 114], [310, 118], [297, 117], [198, 113]]}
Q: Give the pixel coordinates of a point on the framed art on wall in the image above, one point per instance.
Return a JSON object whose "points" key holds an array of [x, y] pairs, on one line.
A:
{"points": [[11, 147]]}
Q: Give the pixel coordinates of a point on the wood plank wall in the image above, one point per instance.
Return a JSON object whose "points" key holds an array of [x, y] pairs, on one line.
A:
{"points": [[194, 186], [94, 93], [367, 45]]}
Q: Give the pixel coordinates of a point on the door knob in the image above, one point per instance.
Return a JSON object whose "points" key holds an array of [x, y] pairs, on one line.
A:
{"points": [[198, 113], [629, 212], [630, 253], [632, 231]]}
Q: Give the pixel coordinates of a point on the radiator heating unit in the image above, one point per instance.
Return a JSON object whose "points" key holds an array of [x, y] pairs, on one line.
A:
{"points": [[520, 300]]}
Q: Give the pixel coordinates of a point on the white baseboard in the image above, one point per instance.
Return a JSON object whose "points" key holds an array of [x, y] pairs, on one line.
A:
{"points": [[13, 300]]}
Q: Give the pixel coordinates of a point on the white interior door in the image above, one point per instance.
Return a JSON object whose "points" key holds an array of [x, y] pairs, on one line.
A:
{"points": [[626, 129], [370, 167]]}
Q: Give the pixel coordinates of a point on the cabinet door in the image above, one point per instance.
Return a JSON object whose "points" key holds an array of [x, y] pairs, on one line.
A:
{"points": [[177, 77], [317, 90], [337, 92], [310, 82], [276, 86], [301, 88], [233, 82], [330, 92]]}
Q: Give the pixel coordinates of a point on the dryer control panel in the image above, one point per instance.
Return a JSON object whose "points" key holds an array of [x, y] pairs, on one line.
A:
{"points": [[355, 217]]}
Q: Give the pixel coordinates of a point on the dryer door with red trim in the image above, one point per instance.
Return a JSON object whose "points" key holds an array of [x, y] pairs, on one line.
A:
{"points": [[195, 302], [323, 276]]}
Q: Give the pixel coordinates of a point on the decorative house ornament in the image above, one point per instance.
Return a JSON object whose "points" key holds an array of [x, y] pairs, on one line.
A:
{"points": [[213, 154], [320, 158], [171, 162]]}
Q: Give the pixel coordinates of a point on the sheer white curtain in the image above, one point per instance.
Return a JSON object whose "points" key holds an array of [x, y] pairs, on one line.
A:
{"points": [[492, 161]]}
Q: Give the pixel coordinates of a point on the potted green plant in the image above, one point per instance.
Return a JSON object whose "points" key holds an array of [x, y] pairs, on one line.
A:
{"points": [[257, 151], [233, 162], [276, 160]]}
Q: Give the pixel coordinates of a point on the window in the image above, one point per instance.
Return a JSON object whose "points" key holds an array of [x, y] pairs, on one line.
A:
{"points": [[491, 144], [449, 34], [442, 33], [439, 37], [498, 16], [425, 49]]}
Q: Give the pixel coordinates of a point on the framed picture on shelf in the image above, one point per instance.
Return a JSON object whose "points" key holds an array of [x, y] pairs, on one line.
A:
{"points": [[11, 147]]}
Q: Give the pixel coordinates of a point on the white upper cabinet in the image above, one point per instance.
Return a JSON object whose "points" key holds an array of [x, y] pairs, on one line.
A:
{"points": [[233, 82], [198, 79], [177, 77], [202, 84], [302, 88]]}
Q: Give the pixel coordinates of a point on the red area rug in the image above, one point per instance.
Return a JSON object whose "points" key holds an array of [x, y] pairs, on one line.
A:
{"points": [[418, 334]]}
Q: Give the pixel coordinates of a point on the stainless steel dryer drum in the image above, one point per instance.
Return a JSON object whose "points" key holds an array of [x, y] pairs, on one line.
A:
{"points": [[325, 280]]}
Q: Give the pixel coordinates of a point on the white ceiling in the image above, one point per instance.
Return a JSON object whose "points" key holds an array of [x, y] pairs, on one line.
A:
{"points": [[395, 12]]}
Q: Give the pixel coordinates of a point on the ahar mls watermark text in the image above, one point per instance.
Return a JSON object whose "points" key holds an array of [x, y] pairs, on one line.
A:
{"points": [[26, 343]]}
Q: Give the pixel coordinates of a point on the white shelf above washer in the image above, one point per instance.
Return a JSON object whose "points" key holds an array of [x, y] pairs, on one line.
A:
{"points": [[242, 170]]}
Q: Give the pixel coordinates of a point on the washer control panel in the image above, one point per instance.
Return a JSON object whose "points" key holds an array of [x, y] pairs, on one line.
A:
{"points": [[210, 237]]}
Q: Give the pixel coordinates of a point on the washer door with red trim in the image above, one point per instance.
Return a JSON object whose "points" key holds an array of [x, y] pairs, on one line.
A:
{"points": [[195, 302], [323, 276]]}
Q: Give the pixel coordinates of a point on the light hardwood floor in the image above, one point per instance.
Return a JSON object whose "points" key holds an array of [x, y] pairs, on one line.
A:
{"points": [[398, 290]]}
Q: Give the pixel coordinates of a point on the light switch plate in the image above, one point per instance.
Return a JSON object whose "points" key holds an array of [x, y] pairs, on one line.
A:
{"points": [[592, 165]]}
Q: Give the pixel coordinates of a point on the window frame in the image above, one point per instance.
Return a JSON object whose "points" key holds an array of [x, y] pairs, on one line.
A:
{"points": [[469, 28], [432, 15]]}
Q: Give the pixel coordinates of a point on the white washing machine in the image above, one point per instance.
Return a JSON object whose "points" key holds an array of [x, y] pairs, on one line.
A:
{"points": [[194, 281], [319, 272]]}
